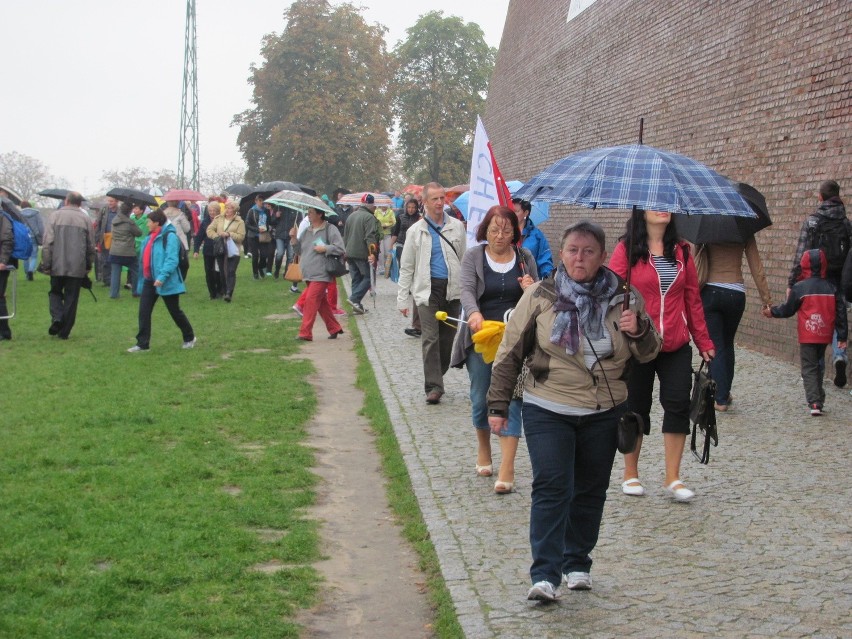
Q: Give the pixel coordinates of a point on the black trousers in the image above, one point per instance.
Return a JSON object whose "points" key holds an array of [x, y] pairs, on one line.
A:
{"points": [[5, 331], [63, 296], [215, 279], [228, 271], [675, 373], [147, 301]]}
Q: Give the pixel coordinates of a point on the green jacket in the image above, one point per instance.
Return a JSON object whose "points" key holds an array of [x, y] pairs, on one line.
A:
{"points": [[361, 230]]}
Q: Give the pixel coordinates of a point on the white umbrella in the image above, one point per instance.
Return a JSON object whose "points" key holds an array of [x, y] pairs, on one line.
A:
{"points": [[299, 201]]}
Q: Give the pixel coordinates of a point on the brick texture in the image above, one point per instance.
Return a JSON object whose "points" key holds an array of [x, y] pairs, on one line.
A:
{"points": [[759, 90]]}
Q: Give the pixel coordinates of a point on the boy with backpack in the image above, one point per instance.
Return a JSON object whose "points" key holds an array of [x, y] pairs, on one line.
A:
{"points": [[822, 312], [829, 230]]}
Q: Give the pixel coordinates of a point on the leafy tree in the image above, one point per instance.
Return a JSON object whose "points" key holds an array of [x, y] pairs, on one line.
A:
{"points": [[213, 181], [321, 115], [24, 174], [443, 70]]}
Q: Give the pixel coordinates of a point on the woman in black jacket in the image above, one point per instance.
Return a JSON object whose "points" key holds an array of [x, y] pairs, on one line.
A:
{"points": [[204, 245]]}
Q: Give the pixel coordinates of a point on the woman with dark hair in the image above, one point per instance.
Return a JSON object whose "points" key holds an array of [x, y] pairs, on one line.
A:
{"points": [[663, 271], [319, 239], [160, 277], [205, 246], [579, 341], [494, 275], [533, 239]]}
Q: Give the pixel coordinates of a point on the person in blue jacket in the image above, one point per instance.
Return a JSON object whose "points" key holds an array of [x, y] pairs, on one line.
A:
{"points": [[533, 239], [158, 266]]}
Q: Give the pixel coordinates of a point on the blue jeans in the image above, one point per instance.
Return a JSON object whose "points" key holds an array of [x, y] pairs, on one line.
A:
{"points": [[723, 310], [32, 261], [572, 459], [480, 379], [359, 271]]}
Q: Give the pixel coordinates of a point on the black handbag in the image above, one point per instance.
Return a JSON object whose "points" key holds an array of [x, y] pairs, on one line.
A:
{"points": [[334, 264], [702, 413], [218, 247]]}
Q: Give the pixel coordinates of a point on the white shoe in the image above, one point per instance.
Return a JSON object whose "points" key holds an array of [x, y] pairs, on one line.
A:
{"points": [[542, 591], [577, 580], [632, 487], [189, 344], [679, 494], [136, 349]]}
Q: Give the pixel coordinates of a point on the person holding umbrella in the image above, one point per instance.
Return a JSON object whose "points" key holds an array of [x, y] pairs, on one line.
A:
{"points": [[663, 271], [231, 228], [123, 248]]}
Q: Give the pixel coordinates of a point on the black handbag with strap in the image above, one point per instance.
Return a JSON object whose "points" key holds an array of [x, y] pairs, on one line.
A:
{"points": [[702, 413]]}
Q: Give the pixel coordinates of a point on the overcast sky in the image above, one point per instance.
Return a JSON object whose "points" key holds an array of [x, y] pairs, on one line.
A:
{"points": [[95, 85]]}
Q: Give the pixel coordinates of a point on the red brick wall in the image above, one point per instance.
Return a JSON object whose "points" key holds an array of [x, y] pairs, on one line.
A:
{"points": [[761, 91]]}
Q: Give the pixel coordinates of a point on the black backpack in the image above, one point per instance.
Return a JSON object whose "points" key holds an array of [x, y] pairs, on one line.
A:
{"points": [[832, 236]]}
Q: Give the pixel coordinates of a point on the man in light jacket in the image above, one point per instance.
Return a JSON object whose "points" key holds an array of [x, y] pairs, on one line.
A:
{"points": [[67, 256], [430, 269]]}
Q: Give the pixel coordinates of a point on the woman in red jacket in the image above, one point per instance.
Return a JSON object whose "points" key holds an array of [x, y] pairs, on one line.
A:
{"points": [[663, 272]]}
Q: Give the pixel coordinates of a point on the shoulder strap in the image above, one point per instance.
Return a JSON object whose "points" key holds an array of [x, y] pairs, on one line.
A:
{"points": [[443, 237]]}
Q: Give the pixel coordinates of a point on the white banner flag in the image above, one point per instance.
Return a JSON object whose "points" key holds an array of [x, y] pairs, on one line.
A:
{"points": [[483, 183]]}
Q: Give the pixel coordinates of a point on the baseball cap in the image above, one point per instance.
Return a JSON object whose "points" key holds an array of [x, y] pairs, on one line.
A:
{"points": [[367, 198]]}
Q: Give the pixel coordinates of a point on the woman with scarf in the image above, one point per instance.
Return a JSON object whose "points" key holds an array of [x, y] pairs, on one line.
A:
{"points": [[494, 275], [663, 271], [577, 339], [160, 277]]}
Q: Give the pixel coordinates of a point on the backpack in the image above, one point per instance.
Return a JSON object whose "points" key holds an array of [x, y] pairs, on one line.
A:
{"points": [[23, 239], [831, 235]]}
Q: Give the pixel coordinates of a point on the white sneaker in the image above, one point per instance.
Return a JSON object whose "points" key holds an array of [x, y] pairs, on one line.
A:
{"points": [[298, 311], [189, 344], [136, 349], [542, 591], [633, 487], [577, 581]]}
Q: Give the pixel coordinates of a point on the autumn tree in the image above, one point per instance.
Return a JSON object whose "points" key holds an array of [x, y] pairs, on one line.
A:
{"points": [[138, 177], [443, 69], [24, 174], [321, 114]]}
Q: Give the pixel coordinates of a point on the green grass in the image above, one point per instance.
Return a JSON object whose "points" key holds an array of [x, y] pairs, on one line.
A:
{"points": [[401, 496], [133, 486]]}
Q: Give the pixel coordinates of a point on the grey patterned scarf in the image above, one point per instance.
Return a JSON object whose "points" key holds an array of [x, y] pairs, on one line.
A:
{"points": [[580, 305]]}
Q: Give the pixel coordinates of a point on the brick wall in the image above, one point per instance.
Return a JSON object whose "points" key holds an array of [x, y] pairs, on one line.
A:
{"points": [[761, 91]]}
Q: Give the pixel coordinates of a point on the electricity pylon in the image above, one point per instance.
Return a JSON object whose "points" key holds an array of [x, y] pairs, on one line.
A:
{"points": [[188, 164]]}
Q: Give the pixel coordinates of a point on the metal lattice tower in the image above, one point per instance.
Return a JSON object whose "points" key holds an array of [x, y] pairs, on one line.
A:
{"points": [[188, 164]]}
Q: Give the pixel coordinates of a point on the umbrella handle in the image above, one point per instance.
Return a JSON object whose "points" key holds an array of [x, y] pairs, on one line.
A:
{"points": [[442, 316]]}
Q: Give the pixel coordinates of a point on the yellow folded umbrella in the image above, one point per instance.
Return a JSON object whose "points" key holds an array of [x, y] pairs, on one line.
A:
{"points": [[487, 339]]}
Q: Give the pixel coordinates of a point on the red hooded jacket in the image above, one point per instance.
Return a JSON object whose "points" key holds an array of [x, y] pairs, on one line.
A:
{"points": [[677, 314], [818, 302]]}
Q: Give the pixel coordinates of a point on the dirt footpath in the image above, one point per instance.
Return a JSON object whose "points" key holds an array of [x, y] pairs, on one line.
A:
{"points": [[373, 587]]}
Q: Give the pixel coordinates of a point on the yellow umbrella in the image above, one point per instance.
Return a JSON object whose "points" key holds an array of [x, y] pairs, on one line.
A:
{"points": [[487, 339]]}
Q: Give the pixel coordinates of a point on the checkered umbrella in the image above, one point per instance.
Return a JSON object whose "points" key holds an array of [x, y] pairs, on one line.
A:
{"points": [[636, 175]]}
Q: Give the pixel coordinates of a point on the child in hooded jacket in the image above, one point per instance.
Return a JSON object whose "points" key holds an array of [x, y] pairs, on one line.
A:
{"points": [[821, 310]]}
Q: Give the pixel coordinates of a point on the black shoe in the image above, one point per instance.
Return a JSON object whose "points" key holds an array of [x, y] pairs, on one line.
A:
{"points": [[412, 332], [54, 329], [29, 276], [227, 298], [334, 335], [434, 397], [840, 373]]}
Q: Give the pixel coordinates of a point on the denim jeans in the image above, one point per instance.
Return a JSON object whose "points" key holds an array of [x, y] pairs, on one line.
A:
{"points": [[572, 459], [723, 310], [480, 379], [359, 271]]}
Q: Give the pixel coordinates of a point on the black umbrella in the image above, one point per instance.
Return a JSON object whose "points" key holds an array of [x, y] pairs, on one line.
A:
{"points": [[265, 189], [239, 189], [56, 194], [726, 229], [132, 196]]}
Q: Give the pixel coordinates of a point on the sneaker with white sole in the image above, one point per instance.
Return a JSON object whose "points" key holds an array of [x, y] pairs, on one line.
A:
{"points": [[136, 349], [357, 309], [189, 344], [294, 288], [298, 310], [542, 591], [816, 410], [577, 581]]}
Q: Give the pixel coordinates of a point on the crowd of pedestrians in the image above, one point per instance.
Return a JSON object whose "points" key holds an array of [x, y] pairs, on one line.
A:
{"points": [[578, 348]]}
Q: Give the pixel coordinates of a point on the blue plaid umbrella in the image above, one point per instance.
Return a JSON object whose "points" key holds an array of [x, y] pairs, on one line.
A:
{"points": [[636, 175]]}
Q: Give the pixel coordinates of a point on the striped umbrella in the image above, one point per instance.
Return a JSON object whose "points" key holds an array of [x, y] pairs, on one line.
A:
{"points": [[354, 199]]}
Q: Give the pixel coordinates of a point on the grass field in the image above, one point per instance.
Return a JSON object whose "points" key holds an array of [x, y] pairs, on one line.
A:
{"points": [[142, 494]]}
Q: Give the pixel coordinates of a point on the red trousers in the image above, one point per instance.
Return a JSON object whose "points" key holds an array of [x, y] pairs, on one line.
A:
{"points": [[316, 302], [332, 296]]}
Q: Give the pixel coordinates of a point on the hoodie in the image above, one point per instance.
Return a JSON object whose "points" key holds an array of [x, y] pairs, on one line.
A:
{"points": [[832, 209], [818, 302]]}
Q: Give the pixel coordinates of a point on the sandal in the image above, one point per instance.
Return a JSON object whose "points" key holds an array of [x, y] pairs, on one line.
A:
{"points": [[632, 487], [682, 494], [484, 471], [503, 487]]}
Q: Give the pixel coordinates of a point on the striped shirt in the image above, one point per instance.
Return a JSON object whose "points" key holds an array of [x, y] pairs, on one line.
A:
{"points": [[666, 270]]}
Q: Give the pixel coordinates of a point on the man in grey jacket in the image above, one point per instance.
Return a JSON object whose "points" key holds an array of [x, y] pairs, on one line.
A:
{"points": [[361, 238], [67, 256]]}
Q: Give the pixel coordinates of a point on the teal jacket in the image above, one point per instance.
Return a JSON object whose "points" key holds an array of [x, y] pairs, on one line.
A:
{"points": [[164, 262]]}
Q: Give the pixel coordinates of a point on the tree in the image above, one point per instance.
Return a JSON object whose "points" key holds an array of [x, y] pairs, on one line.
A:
{"points": [[321, 114], [213, 181], [24, 174], [443, 70], [138, 177]]}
